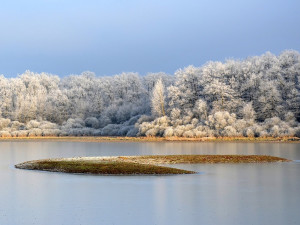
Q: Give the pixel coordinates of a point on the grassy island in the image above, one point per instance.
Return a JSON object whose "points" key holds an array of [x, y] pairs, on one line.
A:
{"points": [[103, 167], [125, 165], [186, 159]]}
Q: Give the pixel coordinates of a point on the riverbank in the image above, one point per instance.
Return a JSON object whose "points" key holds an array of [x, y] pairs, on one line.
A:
{"points": [[125, 165], [154, 139]]}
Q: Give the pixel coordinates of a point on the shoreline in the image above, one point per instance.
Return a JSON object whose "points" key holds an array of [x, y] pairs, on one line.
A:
{"points": [[155, 139]]}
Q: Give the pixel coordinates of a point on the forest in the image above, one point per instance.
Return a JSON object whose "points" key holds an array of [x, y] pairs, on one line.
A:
{"points": [[255, 97]]}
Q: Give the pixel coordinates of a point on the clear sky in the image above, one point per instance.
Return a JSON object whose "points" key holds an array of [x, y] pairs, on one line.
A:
{"points": [[109, 37]]}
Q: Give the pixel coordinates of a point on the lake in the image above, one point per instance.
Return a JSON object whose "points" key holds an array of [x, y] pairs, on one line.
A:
{"points": [[217, 194]]}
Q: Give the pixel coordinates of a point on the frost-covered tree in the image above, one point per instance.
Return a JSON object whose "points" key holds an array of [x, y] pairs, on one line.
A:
{"points": [[158, 99], [186, 90], [201, 109], [268, 102], [248, 112], [220, 95], [257, 96]]}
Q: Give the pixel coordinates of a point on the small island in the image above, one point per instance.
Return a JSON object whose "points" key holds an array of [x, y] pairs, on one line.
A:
{"points": [[137, 165]]}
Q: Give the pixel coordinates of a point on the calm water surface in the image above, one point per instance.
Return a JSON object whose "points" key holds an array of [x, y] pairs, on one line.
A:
{"points": [[218, 194]]}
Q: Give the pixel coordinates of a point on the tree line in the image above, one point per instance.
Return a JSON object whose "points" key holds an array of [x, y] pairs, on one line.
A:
{"points": [[255, 97]]}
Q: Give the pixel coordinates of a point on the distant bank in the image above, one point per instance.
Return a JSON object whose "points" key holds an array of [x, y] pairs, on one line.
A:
{"points": [[155, 139]]}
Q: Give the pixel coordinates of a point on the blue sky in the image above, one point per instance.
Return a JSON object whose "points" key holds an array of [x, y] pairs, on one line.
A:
{"points": [[110, 37]]}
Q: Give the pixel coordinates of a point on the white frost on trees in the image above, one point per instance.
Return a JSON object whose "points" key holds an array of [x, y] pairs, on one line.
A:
{"points": [[158, 99], [258, 96]]}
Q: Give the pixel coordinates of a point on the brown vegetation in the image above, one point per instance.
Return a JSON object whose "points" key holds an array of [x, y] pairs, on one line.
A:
{"points": [[176, 159], [99, 167], [138, 164]]}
